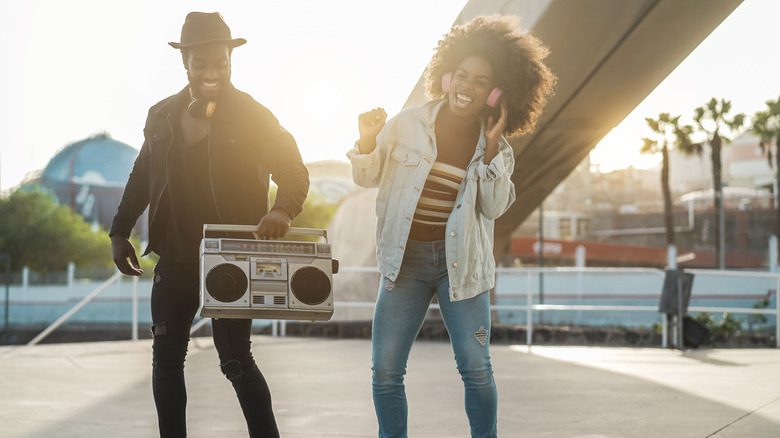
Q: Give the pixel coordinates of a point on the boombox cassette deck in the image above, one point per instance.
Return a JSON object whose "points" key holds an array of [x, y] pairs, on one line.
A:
{"points": [[266, 279]]}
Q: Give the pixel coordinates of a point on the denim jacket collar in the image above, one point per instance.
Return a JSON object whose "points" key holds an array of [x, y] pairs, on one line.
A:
{"points": [[427, 115]]}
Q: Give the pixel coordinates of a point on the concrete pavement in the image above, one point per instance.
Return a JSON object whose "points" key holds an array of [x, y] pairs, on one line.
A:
{"points": [[321, 388]]}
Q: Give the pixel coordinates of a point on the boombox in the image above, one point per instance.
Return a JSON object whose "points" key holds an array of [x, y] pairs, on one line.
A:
{"points": [[266, 279]]}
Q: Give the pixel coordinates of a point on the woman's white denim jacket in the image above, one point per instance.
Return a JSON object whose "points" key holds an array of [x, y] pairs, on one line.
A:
{"points": [[399, 166]]}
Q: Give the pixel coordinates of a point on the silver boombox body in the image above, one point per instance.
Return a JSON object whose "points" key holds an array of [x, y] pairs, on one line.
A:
{"points": [[266, 279]]}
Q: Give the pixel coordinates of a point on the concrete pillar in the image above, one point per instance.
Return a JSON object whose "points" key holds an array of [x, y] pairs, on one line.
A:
{"points": [[772, 253], [671, 257]]}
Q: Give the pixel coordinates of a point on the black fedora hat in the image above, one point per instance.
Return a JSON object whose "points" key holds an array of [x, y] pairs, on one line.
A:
{"points": [[205, 28]]}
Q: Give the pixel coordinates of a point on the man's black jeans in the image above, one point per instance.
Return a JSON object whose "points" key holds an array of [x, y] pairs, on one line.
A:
{"points": [[174, 304]]}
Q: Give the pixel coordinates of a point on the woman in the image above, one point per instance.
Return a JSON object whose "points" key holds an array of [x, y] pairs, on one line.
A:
{"points": [[444, 175]]}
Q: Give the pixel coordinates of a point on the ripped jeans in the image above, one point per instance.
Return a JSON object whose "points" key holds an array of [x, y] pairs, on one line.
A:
{"points": [[175, 301], [400, 311]]}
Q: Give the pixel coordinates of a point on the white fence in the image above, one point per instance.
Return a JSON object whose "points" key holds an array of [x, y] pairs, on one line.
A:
{"points": [[533, 292]]}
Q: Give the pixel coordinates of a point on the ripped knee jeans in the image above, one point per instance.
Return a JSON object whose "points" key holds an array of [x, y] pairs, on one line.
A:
{"points": [[175, 302], [399, 314]]}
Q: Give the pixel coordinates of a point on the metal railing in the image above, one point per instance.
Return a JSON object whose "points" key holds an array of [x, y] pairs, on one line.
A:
{"points": [[72, 311], [749, 311], [279, 326], [530, 307], [115, 278]]}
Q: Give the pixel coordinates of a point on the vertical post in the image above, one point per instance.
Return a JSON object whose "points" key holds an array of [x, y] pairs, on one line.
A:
{"points": [[772, 253], [579, 256], [664, 330], [283, 328], [529, 312], [135, 309], [7, 303], [274, 328], [721, 232], [680, 315], [71, 274], [777, 312], [671, 263], [25, 279]]}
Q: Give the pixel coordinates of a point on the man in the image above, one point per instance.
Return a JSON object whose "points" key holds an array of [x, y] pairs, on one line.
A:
{"points": [[206, 158]]}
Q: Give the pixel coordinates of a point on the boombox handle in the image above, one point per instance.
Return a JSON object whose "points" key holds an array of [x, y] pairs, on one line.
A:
{"points": [[252, 228]]}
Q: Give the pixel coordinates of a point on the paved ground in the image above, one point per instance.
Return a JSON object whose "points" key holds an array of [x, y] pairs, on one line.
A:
{"points": [[321, 388]]}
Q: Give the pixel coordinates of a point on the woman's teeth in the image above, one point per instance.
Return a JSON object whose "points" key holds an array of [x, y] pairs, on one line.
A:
{"points": [[462, 99]]}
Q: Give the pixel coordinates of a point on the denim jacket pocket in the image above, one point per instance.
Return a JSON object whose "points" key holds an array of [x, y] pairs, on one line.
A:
{"points": [[405, 167], [405, 156]]}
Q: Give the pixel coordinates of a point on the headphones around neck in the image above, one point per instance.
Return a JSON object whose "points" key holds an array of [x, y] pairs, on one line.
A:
{"points": [[492, 100], [202, 109]]}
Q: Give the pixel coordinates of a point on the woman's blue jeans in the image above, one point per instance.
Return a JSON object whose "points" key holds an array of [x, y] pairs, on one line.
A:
{"points": [[400, 312]]}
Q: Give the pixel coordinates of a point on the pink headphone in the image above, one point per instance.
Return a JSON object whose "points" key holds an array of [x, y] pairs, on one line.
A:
{"points": [[492, 99]]}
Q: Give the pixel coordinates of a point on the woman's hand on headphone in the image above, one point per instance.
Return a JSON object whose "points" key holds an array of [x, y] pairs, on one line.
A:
{"points": [[369, 124], [493, 132]]}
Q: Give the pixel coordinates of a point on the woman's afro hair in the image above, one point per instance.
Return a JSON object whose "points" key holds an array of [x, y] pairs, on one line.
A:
{"points": [[516, 59]]}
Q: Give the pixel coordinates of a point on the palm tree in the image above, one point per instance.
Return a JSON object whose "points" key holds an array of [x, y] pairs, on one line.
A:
{"points": [[766, 125], [667, 133], [713, 123]]}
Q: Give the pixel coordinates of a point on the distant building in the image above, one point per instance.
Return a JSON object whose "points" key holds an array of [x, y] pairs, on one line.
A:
{"points": [[330, 179], [89, 176], [622, 212], [743, 165], [746, 166]]}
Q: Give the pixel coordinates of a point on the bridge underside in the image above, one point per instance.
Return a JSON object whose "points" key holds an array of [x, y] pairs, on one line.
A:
{"points": [[608, 56]]}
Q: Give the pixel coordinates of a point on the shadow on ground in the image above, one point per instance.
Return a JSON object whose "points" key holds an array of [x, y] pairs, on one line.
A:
{"points": [[321, 388]]}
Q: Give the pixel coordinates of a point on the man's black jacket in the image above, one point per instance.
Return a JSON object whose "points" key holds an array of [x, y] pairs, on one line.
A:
{"points": [[246, 145]]}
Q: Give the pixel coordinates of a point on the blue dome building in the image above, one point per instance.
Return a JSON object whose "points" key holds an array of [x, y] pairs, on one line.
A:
{"points": [[99, 160], [90, 176]]}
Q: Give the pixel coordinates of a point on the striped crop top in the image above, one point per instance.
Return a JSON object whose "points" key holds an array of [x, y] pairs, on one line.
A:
{"points": [[438, 195]]}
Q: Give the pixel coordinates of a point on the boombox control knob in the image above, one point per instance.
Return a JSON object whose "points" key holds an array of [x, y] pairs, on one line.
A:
{"points": [[226, 282], [334, 266], [310, 285]]}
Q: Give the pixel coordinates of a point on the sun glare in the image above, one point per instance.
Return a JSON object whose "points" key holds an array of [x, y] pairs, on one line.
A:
{"points": [[620, 149]]}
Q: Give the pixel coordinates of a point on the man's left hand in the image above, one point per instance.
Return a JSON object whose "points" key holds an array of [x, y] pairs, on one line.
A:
{"points": [[273, 225]]}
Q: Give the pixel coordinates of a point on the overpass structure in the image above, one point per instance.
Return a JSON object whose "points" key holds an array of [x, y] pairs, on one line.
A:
{"points": [[608, 56]]}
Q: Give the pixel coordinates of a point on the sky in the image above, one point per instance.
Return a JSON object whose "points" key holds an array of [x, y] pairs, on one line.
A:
{"points": [[80, 67], [77, 68], [738, 61]]}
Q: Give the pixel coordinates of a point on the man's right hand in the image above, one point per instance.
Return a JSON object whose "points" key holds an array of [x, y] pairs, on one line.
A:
{"points": [[124, 256], [369, 124]]}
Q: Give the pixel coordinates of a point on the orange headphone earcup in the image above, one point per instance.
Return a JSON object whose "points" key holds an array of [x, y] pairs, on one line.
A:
{"points": [[202, 109]]}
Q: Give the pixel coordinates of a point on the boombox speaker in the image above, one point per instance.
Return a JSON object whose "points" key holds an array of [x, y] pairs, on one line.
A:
{"points": [[266, 279]]}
